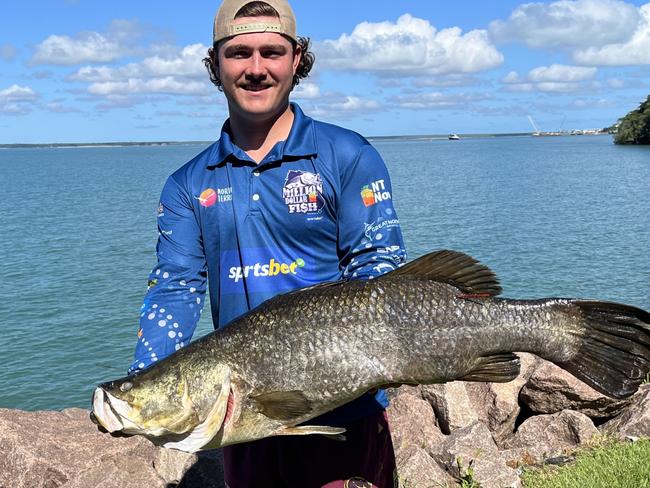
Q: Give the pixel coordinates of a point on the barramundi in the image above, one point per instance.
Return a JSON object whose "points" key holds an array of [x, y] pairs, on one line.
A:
{"points": [[301, 354]]}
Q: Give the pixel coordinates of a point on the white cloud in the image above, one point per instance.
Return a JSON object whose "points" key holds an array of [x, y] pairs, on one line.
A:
{"points": [[339, 106], [186, 62], [17, 93], [178, 72], [411, 46], [569, 24], [632, 51], [561, 73], [557, 78], [168, 84], [17, 100], [88, 47], [435, 100], [306, 90]]}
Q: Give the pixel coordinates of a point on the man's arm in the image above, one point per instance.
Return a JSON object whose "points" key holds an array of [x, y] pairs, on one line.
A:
{"points": [[370, 237], [177, 284]]}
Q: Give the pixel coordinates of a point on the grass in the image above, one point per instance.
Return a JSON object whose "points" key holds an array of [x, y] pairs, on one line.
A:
{"points": [[609, 464]]}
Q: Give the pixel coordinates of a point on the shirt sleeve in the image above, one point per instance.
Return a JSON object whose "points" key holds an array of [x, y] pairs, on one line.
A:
{"points": [[370, 237], [177, 285]]}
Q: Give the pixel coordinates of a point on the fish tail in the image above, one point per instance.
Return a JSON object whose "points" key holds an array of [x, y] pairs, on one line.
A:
{"points": [[614, 354]]}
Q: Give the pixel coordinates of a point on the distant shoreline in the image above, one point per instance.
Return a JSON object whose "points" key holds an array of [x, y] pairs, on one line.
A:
{"points": [[423, 137]]}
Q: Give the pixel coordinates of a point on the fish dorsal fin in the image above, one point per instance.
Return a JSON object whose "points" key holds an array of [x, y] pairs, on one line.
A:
{"points": [[455, 268], [283, 405]]}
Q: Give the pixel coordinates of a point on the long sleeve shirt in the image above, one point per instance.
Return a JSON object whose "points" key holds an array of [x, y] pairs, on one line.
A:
{"points": [[317, 208]]}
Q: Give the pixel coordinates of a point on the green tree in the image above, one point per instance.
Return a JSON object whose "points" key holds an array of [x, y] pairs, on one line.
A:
{"points": [[634, 128]]}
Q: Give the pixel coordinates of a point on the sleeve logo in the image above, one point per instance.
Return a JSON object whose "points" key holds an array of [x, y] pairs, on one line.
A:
{"points": [[375, 192]]}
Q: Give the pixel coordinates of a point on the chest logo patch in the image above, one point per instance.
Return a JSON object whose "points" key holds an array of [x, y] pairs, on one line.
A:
{"points": [[303, 192]]}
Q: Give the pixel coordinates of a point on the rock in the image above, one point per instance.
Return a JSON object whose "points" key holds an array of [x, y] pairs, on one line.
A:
{"points": [[451, 405], [413, 423], [496, 404], [65, 449], [634, 421], [551, 389], [545, 436], [415, 468], [472, 447]]}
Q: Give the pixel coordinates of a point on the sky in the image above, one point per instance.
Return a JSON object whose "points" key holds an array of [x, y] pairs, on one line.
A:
{"points": [[88, 71]]}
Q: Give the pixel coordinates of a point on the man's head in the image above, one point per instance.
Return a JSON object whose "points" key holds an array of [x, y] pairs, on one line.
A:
{"points": [[236, 17]]}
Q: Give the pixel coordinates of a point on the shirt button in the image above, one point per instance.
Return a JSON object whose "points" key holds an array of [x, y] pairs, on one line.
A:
{"points": [[256, 197], [256, 173]]}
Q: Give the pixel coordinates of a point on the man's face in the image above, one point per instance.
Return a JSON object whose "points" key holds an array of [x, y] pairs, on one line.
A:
{"points": [[256, 72]]}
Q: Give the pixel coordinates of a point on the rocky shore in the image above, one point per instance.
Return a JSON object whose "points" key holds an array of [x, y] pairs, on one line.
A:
{"points": [[439, 431]]}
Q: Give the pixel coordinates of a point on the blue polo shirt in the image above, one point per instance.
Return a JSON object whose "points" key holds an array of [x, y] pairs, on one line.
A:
{"points": [[317, 208]]}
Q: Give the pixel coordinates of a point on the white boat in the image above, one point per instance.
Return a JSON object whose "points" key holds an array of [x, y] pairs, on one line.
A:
{"points": [[454, 137]]}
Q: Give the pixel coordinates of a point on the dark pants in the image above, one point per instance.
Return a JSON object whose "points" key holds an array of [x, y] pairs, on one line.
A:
{"points": [[364, 460]]}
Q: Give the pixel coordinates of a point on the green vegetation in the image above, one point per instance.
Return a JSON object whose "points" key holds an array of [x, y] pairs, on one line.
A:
{"points": [[634, 128], [609, 464]]}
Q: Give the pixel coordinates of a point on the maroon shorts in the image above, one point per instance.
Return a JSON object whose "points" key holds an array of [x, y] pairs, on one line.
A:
{"points": [[364, 460]]}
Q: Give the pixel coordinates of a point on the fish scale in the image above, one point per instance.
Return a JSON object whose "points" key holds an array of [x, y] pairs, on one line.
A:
{"points": [[307, 352]]}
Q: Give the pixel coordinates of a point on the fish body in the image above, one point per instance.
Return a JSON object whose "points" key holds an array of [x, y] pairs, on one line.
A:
{"points": [[304, 353]]}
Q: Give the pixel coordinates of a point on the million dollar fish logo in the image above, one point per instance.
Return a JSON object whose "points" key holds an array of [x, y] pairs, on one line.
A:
{"points": [[303, 192]]}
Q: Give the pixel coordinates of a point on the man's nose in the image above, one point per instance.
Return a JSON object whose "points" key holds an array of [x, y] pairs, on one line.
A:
{"points": [[256, 68]]}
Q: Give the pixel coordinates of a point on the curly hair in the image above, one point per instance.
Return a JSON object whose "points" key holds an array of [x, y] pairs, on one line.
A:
{"points": [[262, 9]]}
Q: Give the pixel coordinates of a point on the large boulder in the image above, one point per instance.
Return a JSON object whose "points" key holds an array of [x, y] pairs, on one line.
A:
{"points": [[471, 452], [417, 469], [65, 449], [413, 423], [497, 404], [544, 436], [550, 389], [451, 405], [634, 421]]}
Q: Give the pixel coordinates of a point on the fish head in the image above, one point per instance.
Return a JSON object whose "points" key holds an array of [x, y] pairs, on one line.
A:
{"points": [[166, 404]]}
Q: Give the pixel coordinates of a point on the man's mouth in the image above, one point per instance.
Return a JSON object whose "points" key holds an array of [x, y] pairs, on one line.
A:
{"points": [[255, 88]]}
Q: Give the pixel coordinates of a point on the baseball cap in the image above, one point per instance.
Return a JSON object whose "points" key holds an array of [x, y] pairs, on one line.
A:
{"points": [[225, 26]]}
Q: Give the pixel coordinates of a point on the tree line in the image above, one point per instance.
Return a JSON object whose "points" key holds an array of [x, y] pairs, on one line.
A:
{"points": [[634, 128]]}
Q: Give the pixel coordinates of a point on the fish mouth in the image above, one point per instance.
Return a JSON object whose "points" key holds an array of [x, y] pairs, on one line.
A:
{"points": [[112, 413]]}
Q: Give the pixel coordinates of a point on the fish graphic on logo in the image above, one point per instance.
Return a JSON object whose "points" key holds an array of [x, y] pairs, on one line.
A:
{"points": [[208, 197], [368, 196]]}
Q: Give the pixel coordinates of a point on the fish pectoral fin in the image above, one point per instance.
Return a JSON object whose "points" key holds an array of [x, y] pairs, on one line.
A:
{"points": [[455, 268], [283, 405], [499, 368], [335, 433]]}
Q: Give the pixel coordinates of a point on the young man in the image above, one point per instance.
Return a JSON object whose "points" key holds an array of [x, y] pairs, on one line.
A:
{"points": [[279, 202]]}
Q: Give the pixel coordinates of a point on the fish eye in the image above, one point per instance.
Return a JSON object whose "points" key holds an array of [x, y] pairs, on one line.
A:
{"points": [[126, 386]]}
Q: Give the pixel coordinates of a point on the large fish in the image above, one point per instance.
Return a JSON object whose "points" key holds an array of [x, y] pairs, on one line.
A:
{"points": [[304, 353]]}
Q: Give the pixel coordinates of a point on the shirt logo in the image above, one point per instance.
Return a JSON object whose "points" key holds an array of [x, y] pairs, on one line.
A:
{"points": [[209, 197], [375, 192], [272, 268], [303, 192]]}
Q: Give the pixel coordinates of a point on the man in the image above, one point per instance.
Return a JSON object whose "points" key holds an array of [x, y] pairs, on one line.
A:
{"points": [[279, 202]]}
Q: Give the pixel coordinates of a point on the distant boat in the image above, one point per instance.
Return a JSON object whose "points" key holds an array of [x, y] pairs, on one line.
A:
{"points": [[454, 137]]}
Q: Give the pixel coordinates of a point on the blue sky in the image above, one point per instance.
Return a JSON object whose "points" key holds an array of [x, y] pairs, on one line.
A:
{"points": [[90, 71]]}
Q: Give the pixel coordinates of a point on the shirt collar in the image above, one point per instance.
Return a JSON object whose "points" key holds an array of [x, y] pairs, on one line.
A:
{"points": [[300, 143]]}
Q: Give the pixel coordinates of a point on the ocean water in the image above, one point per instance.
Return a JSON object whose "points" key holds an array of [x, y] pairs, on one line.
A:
{"points": [[553, 216]]}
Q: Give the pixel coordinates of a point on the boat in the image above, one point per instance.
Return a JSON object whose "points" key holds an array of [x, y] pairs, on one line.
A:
{"points": [[454, 137]]}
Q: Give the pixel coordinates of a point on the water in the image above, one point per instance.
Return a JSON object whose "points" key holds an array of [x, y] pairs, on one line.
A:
{"points": [[556, 216]]}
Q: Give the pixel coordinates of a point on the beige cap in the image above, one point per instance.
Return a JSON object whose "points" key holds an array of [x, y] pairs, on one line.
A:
{"points": [[224, 25]]}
